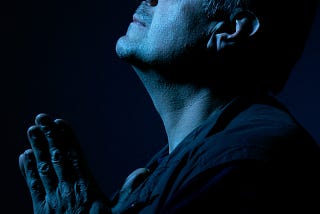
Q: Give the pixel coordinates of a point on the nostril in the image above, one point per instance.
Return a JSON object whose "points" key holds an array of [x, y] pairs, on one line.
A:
{"points": [[152, 3]]}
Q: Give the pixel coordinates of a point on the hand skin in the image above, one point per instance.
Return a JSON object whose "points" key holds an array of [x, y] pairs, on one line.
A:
{"points": [[56, 173]]}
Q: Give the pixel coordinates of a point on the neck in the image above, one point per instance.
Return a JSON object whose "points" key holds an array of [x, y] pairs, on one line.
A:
{"points": [[182, 107]]}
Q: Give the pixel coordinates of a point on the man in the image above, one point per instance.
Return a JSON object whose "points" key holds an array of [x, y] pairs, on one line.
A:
{"points": [[232, 147]]}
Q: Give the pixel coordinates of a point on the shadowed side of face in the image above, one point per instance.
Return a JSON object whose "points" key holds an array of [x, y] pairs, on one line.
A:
{"points": [[174, 34], [266, 59], [285, 26], [163, 31]]}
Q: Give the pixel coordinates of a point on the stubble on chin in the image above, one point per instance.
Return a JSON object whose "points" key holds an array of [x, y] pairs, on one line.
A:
{"points": [[121, 50], [126, 50]]}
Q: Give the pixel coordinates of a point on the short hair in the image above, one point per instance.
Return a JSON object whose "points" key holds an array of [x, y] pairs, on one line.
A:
{"points": [[284, 28]]}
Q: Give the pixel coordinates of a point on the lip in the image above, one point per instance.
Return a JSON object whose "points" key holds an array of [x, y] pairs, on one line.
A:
{"points": [[137, 20]]}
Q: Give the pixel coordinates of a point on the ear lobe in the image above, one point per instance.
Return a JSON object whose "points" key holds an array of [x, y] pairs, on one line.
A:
{"points": [[243, 25]]}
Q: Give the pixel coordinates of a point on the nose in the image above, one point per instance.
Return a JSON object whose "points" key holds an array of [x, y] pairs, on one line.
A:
{"points": [[152, 3]]}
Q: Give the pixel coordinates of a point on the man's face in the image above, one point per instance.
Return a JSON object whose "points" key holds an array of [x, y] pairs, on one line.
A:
{"points": [[163, 31]]}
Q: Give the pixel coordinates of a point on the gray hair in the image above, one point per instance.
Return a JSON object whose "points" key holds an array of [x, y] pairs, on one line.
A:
{"points": [[220, 9], [284, 28]]}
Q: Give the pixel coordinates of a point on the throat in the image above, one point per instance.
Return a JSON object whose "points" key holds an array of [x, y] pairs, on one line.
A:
{"points": [[185, 116]]}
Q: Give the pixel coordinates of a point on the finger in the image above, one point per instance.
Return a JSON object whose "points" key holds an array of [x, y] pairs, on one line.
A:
{"points": [[28, 167], [76, 158], [56, 147], [67, 134], [21, 165], [40, 149]]}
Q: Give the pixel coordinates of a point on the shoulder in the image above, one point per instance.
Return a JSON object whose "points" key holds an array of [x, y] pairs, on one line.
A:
{"points": [[262, 126], [261, 131], [262, 154], [270, 127], [248, 156]]}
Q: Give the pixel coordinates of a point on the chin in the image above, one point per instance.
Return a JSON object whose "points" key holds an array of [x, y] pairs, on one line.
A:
{"points": [[121, 49], [125, 49]]}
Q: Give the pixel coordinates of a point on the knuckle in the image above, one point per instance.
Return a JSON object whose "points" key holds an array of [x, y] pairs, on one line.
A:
{"points": [[74, 159], [43, 168], [53, 202], [48, 132], [81, 186], [81, 190], [75, 163], [34, 185], [56, 157], [65, 189]]}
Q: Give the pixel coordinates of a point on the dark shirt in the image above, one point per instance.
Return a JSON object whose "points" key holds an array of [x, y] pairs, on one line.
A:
{"points": [[251, 156]]}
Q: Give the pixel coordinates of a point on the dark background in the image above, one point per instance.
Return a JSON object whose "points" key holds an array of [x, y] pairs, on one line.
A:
{"points": [[58, 57]]}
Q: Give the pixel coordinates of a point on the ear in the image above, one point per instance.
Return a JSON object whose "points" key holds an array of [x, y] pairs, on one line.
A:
{"points": [[243, 24]]}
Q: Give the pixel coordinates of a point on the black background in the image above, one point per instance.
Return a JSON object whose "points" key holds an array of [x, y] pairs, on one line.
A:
{"points": [[58, 57]]}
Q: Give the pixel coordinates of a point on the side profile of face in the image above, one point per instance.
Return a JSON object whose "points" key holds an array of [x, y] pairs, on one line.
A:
{"points": [[232, 40], [164, 30]]}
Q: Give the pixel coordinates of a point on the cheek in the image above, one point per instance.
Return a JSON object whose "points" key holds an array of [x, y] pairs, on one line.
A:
{"points": [[167, 34]]}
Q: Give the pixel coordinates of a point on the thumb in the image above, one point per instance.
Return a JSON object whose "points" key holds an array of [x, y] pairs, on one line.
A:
{"points": [[133, 180]]}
